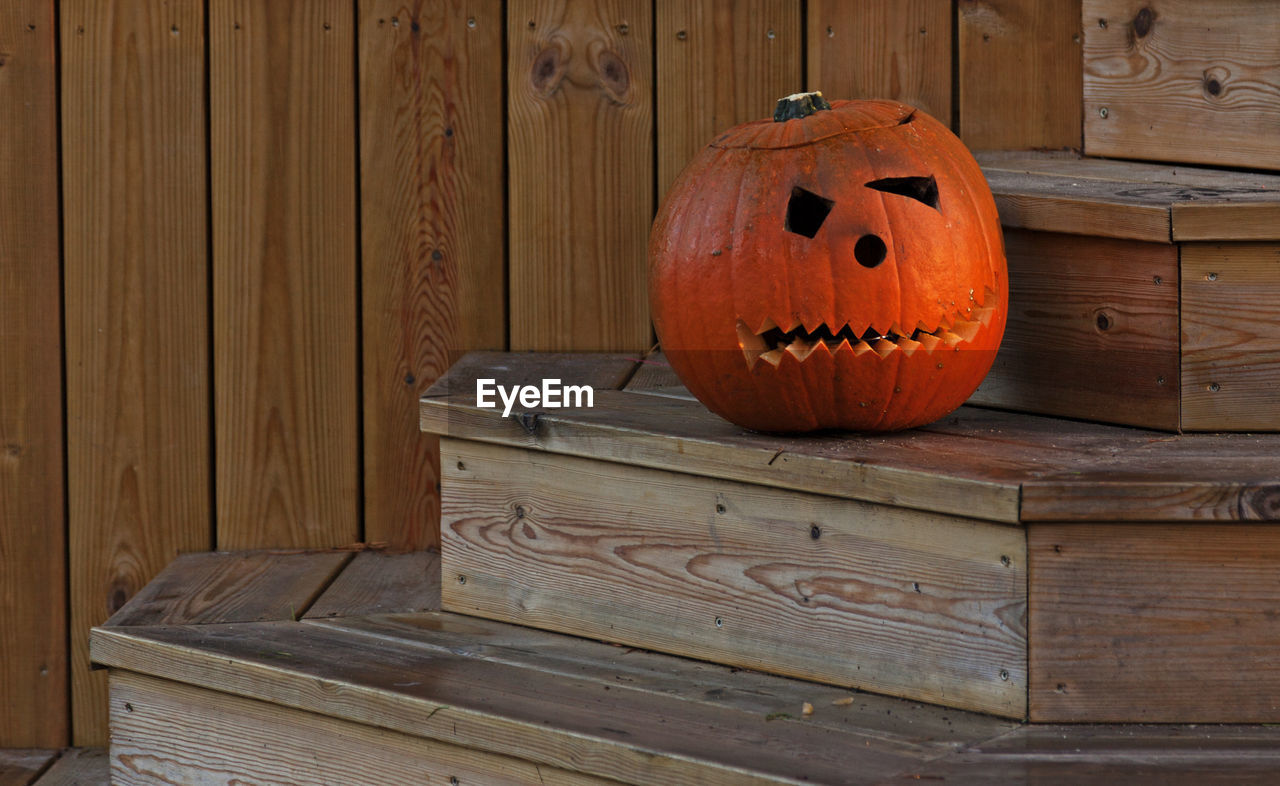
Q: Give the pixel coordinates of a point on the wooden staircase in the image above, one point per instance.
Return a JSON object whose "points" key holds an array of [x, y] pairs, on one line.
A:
{"points": [[641, 592], [323, 667]]}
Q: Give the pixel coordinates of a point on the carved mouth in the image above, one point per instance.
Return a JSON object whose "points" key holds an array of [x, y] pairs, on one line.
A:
{"points": [[771, 340]]}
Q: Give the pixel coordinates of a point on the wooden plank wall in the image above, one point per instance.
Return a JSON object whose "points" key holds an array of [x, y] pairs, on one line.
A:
{"points": [[136, 279], [276, 232]]}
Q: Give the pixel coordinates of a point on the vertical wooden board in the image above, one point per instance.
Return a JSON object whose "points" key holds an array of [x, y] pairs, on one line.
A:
{"points": [[1230, 336], [134, 195], [33, 602], [282, 153], [1019, 80], [1154, 623], [720, 63], [899, 49], [925, 606], [167, 732], [580, 143], [1092, 331], [1183, 80], [432, 220]]}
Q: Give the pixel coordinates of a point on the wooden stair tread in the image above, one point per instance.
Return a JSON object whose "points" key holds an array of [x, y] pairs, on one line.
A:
{"points": [[586, 710], [1155, 202], [69, 767], [1000, 466]]}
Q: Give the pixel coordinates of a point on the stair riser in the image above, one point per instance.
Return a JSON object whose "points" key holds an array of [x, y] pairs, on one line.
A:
{"points": [[919, 605]]}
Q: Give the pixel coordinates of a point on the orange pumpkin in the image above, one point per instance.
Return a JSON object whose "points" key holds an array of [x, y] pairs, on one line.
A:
{"points": [[840, 266]]}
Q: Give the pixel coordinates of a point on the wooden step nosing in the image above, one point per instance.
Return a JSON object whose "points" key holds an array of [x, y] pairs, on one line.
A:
{"points": [[139, 650]]}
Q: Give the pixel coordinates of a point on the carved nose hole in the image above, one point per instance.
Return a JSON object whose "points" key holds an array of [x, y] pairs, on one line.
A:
{"points": [[921, 189], [806, 211], [870, 250]]}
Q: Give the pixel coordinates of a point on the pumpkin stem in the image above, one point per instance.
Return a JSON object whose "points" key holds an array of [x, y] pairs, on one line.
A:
{"points": [[799, 105]]}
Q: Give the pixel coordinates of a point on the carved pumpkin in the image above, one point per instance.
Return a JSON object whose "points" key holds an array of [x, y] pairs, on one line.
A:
{"points": [[840, 266]]}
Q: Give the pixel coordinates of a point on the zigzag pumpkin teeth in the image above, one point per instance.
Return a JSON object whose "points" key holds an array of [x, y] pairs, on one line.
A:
{"points": [[929, 341], [802, 339], [966, 329], [773, 357]]}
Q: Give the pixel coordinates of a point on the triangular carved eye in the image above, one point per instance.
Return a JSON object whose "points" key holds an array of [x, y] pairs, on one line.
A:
{"points": [[806, 211], [921, 189]]}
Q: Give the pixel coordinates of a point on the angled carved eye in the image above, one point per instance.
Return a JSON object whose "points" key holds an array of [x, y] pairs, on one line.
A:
{"points": [[921, 189], [806, 211]]}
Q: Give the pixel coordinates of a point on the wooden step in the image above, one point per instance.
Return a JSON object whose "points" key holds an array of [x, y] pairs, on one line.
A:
{"points": [[993, 561], [408, 696], [1140, 294]]}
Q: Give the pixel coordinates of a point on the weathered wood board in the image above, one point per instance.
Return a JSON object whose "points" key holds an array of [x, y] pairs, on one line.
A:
{"points": [[377, 582], [1019, 78], [173, 733], [580, 150], [1182, 80], [1231, 336], [282, 163], [1154, 622], [33, 581], [136, 212], [925, 606], [432, 247], [213, 587], [21, 766], [78, 767], [1092, 332]]}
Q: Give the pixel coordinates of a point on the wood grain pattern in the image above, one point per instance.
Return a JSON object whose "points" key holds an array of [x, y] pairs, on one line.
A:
{"points": [[432, 220], [1154, 623], [1071, 205], [282, 159], [580, 144], [1227, 220], [1163, 77], [136, 273], [1231, 337], [899, 50], [976, 462], [208, 588], [915, 469], [1019, 74], [172, 733], [79, 767], [720, 63], [504, 708], [881, 723], [33, 598], [1092, 332], [21, 766], [1132, 200], [734, 573], [377, 582]]}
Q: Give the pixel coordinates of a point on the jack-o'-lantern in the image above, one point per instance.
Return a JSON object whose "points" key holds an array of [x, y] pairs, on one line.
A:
{"points": [[840, 266]]}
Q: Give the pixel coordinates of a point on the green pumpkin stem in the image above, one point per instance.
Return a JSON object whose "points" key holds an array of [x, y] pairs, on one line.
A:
{"points": [[799, 105]]}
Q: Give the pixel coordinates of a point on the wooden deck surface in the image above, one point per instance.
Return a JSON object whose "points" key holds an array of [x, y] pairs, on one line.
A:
{"points": [[413, 693]]}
